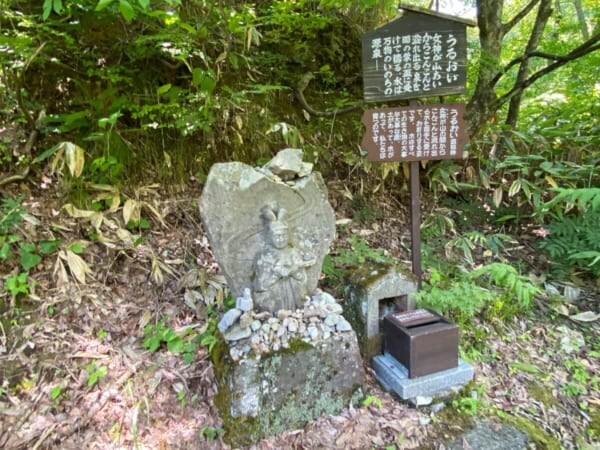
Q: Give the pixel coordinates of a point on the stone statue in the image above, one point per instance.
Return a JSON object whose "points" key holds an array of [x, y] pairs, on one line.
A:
{"points": [[279, 270], [245, 236]]}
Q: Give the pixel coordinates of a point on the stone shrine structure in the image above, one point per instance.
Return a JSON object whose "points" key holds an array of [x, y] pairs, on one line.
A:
{"points": [[286, 354]]}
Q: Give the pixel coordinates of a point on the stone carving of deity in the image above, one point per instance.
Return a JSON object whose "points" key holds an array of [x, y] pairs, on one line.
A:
{"points": [[280, 268]]}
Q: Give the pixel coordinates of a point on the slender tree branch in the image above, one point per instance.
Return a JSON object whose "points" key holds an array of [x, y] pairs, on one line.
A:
{"points": [[575, 54], [506, 27], [583, 48]]}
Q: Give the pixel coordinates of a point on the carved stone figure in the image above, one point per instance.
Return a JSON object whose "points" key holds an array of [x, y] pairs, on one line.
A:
{"points": [[280, 269], [244, 241]]}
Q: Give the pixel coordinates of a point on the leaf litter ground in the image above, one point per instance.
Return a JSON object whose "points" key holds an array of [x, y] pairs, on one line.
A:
{"points": [[75, 375]]}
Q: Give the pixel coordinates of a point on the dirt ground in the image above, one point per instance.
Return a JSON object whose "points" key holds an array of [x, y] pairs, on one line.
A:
{"points": [[75, 375]]}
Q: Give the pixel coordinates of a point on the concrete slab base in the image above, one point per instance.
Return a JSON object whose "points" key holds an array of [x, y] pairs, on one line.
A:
{"points": [[394, 377]]}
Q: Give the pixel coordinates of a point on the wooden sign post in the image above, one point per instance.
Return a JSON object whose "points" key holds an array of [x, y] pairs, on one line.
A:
{"points": [[422, 53]]}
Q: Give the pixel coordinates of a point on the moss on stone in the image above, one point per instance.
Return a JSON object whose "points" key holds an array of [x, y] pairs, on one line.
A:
{"points": [[295, 345], [367, 274], [221, 362], [593, 430], [353, 314], [454, 418], [282, 403], [536, 434], [541, 393]]}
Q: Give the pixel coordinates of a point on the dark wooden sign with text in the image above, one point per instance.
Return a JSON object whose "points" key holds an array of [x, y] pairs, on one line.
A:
{"points": [[416, 55], [415, 133]]}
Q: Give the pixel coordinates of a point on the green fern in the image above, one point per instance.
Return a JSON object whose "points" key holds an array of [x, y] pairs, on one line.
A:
{"points": [[583, 198], [506, 277], [490, 290], [574, 242], [459, 299]]}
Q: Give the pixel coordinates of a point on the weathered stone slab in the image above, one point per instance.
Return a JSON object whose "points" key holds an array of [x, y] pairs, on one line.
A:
{"points": [[240, 205], [265, 395], [372, 291], [491, 436], [394, 376]]}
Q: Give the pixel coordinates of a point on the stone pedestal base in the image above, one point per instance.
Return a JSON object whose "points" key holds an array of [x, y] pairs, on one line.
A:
{"points": [[394, 377], [263, 395]]}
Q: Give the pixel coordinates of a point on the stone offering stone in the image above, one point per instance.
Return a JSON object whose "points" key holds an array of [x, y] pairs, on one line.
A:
{"points": [[264, 315], [228, 319], [287, 164], [343, 326], [246, 320], [332, 319], [236, 332], [245, 302]]}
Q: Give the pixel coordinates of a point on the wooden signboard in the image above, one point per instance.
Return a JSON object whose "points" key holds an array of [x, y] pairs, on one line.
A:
{"points": [[415, 133], [417, 55]]}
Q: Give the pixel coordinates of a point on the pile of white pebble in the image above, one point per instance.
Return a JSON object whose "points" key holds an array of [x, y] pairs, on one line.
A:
{"points": [[251, 333]]}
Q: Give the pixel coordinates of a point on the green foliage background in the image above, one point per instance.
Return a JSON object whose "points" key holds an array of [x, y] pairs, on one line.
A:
{"points": [[165, 89]]}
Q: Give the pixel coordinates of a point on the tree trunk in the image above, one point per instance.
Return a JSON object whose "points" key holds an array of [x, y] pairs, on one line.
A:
{"points": [[543, 14], [482, 105], [581, 18]]}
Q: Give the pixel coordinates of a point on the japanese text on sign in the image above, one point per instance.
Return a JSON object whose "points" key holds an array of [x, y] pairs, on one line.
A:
{"points": [[415, 133], [416, 62], [416, 55]]}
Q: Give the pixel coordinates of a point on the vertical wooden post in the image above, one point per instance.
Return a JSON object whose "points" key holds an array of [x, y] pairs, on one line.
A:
{"points": [[415, 216], [415, 220]]}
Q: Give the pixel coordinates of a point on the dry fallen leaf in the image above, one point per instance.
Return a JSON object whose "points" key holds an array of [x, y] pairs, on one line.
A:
{"points": [[131, 211], [76, 212], [154, 211], [587, 316], [60, 272], [77, 265], [75, 158]]}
